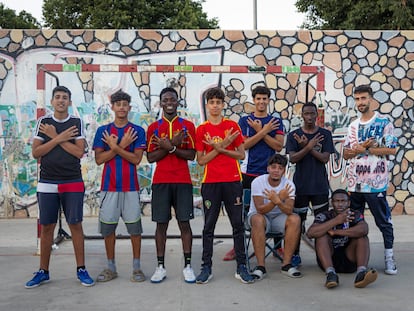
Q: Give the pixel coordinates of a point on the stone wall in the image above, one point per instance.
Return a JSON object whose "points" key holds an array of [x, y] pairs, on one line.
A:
{"points": [[384, 59]]}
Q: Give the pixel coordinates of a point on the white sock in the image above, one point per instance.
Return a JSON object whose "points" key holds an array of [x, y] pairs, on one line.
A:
{"points": [[389, 253]]}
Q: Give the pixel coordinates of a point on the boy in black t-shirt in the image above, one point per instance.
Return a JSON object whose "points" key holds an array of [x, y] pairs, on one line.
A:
{"points": [[342, 243], [59, 143], [309, 148]]}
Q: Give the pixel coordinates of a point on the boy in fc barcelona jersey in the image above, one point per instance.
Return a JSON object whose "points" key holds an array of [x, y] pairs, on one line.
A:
{"points": [[120, 145]]}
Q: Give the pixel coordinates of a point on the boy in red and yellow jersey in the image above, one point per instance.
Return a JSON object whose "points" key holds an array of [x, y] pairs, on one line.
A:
{"points": [[219, 146], [171, 145]]}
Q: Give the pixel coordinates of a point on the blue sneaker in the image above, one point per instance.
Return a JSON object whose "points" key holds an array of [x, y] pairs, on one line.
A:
{"points": [[243, 275], [84, 278], [296, 261], [39, 278], [204, 276]]}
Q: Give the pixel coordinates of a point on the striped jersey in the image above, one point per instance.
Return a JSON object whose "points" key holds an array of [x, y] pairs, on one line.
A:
{"points": [[119, 175]]}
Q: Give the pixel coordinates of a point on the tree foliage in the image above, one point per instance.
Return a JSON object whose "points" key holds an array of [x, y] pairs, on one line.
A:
{"points": [[9, 19], [126, 14], [357, 14]]}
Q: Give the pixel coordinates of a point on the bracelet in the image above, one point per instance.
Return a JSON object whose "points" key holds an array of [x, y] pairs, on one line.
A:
{"points": [[173, 149]]}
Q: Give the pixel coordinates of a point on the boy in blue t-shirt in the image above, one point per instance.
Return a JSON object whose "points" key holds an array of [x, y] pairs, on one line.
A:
{"points": [[120, 145]]}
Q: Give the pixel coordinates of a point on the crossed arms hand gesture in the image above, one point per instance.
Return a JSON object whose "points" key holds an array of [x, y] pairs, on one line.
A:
{"points": [[220, 147], [262, 133], [267, 128], [317, 230], [308, 146], [50, 131], [111, 140], [166, 146], [360, 148], [282, 199], [303, 141], [278, 197], [76, 149]]}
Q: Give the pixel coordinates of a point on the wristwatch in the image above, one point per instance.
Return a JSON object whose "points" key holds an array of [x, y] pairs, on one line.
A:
{"points": [[173, 149]]}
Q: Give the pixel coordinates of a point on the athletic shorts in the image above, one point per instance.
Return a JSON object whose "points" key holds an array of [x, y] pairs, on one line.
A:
{"points": [[247, 181], [320, 203], [340, 262], [120, 204], [51, 195], [178, 196], [275, 224]]}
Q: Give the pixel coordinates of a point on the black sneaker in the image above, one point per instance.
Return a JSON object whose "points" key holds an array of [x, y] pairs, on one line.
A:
{"points": [[331, 280], [259, 273], [365, 277], [291, 271]]}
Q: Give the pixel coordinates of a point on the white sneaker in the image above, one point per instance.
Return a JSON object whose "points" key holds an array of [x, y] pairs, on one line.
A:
{"points": [[159, 275], [189, 276], [390, 266]]}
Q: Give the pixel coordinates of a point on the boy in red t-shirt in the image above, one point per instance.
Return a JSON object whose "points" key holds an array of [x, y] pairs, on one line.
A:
{"points": [[219, 146], [171, 145]]}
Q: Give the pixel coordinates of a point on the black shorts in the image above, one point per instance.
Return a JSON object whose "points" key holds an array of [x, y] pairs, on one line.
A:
{"points": [[247, 181], [319, 203], [178, 196], [340, 262]]}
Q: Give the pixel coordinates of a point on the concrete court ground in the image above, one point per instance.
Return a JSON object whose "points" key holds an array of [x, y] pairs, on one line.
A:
{"points": [[223, 292]]}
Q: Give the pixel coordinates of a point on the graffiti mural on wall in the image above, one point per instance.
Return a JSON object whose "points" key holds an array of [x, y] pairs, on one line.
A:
{"points": [[382, 59]]}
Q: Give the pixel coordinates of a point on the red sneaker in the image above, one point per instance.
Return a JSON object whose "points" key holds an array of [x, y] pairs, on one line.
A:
{"points": [[230, 255]]}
